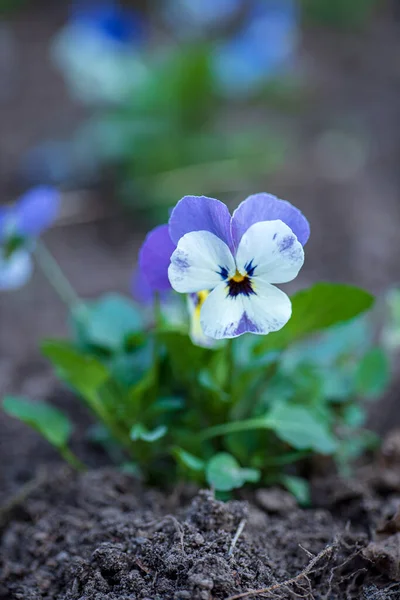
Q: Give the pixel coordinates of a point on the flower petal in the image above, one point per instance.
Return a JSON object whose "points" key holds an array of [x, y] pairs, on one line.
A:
{"points": [[222, 316], [36, 210], [154, 258], [199, 213], [197, 262], [271, 250], [194, 304], [265, 207], [15, 271]]}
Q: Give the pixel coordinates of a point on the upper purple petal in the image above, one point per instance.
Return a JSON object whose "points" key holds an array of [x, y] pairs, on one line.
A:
{"points": [[265, 207], [36, 210], [199, 213], [154, 258]]}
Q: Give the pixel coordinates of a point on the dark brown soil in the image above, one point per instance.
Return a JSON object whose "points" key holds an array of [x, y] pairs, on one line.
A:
{"points": [[100, 536]]}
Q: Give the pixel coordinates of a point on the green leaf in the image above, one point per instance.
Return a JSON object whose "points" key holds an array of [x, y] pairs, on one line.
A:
{"points": [[185, 358], [299, 487], [373, 374], [141, 432], [188, 460], [316, 309], [224, 473], [299, 427], [111, 320], [84, 373], [49, 421]]}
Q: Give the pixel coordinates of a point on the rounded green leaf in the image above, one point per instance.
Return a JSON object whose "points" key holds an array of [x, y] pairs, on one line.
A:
{"points": [[110, 320], [224, 473], [300, 428]]}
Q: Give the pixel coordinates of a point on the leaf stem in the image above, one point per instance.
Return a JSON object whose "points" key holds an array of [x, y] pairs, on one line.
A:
{"points": [[55, 276], [230, 357], [236, 427], [72, 459]]}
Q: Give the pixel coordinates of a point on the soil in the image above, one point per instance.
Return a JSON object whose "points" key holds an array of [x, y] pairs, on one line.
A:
{"points": [[101, 536]]}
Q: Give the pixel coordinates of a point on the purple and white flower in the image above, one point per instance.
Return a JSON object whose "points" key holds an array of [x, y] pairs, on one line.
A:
{"points": [[20, 225], [237, 259], [97, 51]]}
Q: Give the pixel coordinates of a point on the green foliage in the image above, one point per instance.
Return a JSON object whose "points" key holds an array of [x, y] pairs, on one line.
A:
{"points": [[245, 411], [224, 473], [316, 309], [47, 420], [50, 422], [373, 374], [300, 427]]}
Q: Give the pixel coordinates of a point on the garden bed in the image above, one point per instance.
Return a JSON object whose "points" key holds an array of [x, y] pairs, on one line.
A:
{"points": [[101, 535]]}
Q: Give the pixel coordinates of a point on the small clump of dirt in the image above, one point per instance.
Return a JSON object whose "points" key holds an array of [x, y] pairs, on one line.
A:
{"points": [[101, 536]]}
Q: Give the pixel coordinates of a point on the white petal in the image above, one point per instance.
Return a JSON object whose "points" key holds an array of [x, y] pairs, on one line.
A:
{"points": [[223, 316], [197, 261], [267, 310], [273, 249], [16, 270]]}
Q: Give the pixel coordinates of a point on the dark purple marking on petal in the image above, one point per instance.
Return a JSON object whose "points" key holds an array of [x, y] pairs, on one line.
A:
{"points": [[199, 213], [223, 272], [240, 288], [265, 207], [246, 326], [36, 211], [250, 268], [155, 257], [286, 243]]}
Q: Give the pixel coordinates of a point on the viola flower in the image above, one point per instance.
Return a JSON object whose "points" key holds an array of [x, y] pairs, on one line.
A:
{"points": [[152, 277], [236, 259], [20, 225], [97, 51], [260, 50]]}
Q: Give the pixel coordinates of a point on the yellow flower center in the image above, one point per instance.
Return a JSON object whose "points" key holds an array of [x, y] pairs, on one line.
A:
{"points": [[238, 277]]}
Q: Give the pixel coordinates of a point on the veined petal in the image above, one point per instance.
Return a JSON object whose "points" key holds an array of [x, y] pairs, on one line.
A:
{"points": [[198, 261], [36, 210], [270, 250], [265, 207], [222, 316], [154, 258], [199, 213], [16, 270]]}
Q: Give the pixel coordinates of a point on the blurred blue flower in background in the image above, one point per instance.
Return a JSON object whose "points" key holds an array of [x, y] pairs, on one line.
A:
{"points": [[97, 51], [194, 17], [108, 20], [20, 225], [262, 49]]}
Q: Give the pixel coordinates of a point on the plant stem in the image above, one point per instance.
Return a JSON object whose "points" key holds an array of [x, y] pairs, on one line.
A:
{"points": [[230, 359], [55, 276], [71, 459]]}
